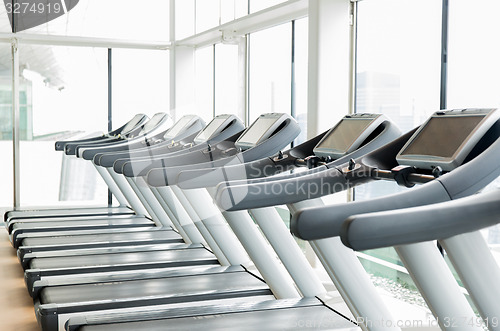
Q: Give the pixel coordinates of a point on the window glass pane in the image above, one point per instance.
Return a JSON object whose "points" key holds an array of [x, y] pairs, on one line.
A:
{"points": [[257, 5], [207, 14], [63, 96], [398, 74], [232, 9], [398, 69], [204, 80], [226, 79], [473, 69], [122, 19], [185, 22], [140, 83], [6, 176], [301, 79], [270, 71]]}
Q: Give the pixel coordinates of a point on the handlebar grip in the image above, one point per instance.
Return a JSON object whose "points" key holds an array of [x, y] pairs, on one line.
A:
{"points": [[424, 223], [280, 191], [200, 178], [327, 221]]}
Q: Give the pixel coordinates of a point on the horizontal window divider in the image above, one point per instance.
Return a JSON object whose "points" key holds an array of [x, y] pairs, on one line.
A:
{"points": [[266, 18], [58, 40]]}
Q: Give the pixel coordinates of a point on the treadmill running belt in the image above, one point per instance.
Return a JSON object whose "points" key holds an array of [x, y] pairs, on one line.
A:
{"points": [[317, 318], [105, 237], [170, 286], [121, 258]]}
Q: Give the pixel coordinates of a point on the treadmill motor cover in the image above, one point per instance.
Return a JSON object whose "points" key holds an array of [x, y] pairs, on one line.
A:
{"points": [[447, 138]]}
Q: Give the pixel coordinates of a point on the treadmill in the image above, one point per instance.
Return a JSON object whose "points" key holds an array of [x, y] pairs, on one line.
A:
{"points": [[286, 312], [184, 137], [55, 301], [145, 132], [60, 288], [473, 151], [281, 128], [130, 128], [222, 126], [438, 210], [187, 126]]}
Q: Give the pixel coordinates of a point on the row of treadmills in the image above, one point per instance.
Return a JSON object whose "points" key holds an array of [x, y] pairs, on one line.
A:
{"points": [[197, 243]]}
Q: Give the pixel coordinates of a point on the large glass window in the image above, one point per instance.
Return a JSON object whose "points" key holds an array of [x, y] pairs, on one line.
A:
{"points": [[122, 19], [270, 71], [398, 74], [232, 9], [257, 5], [185, 22], [473, 53], [300, 78], [140, 83], [227, 84], [398, 69], [207, 14], [204, 80], [6, 175], [65, 102], [473, 68]]}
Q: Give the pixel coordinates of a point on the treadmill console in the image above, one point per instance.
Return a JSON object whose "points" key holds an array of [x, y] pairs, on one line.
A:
{"points": [[154, 124], [133, 123], [348, 135], [185, 126], [446, 138], [263, 127], [216, 126]]}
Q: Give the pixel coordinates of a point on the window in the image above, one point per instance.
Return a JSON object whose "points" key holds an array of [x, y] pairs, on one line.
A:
{"points": [[398, 74], [270, 71], [140, 83], [65, 102], [473, 67], [204, 80], [121, 19], [227, 82]]}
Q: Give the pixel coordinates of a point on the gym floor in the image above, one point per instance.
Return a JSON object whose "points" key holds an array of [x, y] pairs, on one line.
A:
{"points": [[16, 306]]}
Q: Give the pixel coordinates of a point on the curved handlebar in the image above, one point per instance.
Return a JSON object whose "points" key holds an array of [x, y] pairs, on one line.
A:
{"points": [[326, 221], [424, 223], [237, 197]]}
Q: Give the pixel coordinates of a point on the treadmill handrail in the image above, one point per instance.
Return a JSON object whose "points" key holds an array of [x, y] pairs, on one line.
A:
{"points": [[469, 178], [327, 180], [289, 131], [135, 122], [162, 124], [422, 223], [265, 167]]}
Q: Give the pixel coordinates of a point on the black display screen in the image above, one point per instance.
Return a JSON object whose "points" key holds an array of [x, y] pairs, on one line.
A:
{"points": [[442, 136], [344, 134]]}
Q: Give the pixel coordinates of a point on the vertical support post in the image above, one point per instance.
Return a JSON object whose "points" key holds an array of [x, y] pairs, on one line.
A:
{"points": [[444, 55], [328, 53], [110, 108], [242, 78], [352, 54], [353, 32], [15, 123], [172, 59]]}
